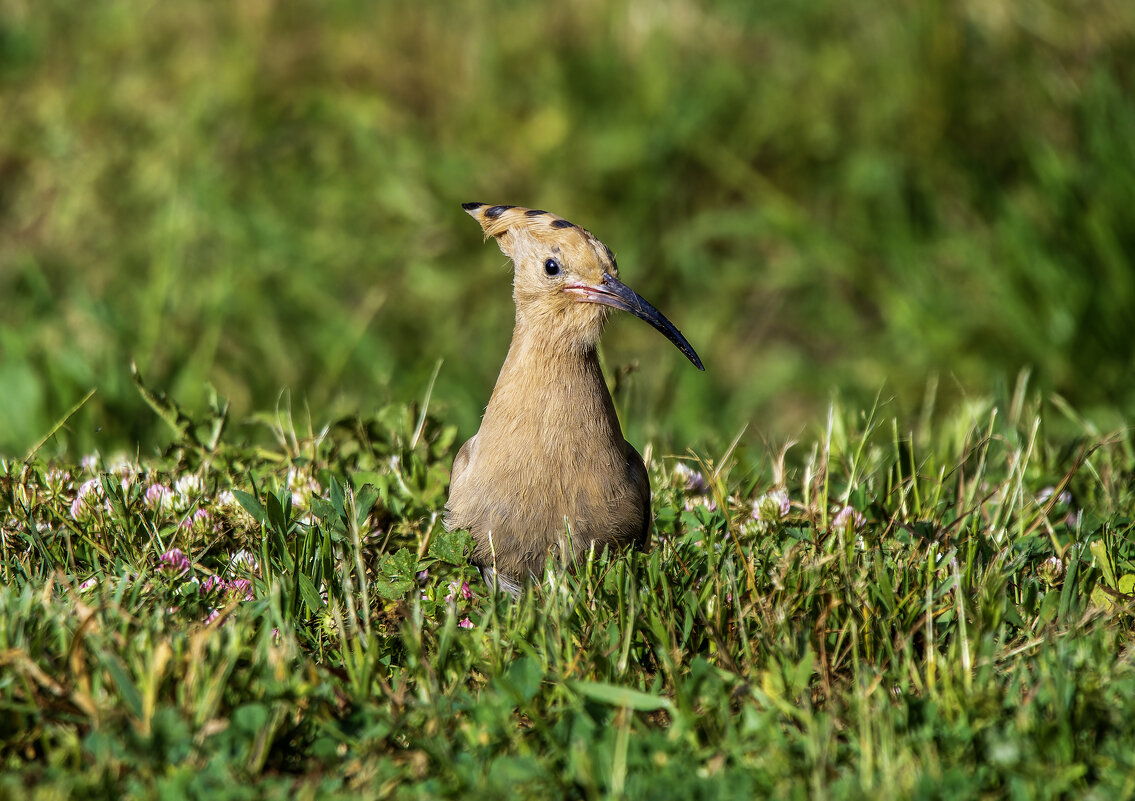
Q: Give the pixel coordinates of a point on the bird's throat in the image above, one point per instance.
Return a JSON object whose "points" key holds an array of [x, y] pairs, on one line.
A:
{"points": [[551, 396]]}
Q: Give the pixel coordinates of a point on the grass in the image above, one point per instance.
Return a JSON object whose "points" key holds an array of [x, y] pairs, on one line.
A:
{"points": [[964, 630], [260, 202]]}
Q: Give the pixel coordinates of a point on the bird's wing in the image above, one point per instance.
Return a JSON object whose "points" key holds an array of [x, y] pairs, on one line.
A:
{"points": [[461, 461], [641, 481], [460, 465]]}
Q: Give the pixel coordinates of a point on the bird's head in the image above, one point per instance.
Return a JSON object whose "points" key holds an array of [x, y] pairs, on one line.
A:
{"points": [[566, 281]]}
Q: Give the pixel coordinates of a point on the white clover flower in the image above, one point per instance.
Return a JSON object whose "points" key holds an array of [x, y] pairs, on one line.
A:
{"points": [[174, 561], [92, 488], [751, 528], [226, 501], [200, 522], [56, 482], [123, 468], [1063, 499], [244, 559], [90, 462], [770, 509], [80, 512], [159, 497], [88, 499], [695, 501], [456, 589], [188, 489], [849, 519], [302, 486], [689, 479], [1051, 569], [190, 484], [241, 588], [211, 584]]}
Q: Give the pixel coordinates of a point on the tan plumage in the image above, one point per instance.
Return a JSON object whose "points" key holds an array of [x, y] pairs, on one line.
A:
{"points": [[549, 471]]}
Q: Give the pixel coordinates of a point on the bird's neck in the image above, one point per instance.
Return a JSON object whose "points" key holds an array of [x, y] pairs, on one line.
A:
{"points": [[550, 383]]}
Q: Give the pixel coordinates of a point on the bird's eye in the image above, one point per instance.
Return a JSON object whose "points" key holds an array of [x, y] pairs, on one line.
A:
{"points": [[552, 267]]}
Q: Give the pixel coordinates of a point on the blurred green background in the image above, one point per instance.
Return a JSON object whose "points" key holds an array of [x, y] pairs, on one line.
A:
{"points": [[826, 197]]}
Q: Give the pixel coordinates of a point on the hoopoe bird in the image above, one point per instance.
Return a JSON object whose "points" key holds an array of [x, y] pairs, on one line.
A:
{"points": [[549, 472]]}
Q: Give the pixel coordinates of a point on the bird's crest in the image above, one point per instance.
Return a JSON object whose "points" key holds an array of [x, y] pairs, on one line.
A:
{"points": [[512, 225], [497, 220]]}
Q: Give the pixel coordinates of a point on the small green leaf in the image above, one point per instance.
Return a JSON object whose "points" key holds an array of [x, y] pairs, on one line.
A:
{"points": [[802, 673], [402, 561], [364, 477], [251, 717], [397, 574], [444, 440], [620, 696], [510, 771], [326, 750], [1069, 591], [365, 500], [309, 594], [277, 517], [523, 679], [335, 492], [1099, 551], [325, 512], [251, 505], [392, 590], [126, 687], [450, 546], [1102, 599]]}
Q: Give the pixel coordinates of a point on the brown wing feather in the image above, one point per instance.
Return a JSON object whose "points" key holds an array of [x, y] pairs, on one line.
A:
{"points": [[460, 464], [641, 480]]}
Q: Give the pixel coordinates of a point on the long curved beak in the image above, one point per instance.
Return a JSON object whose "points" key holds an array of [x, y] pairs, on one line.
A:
{"points": [[613, 292]]}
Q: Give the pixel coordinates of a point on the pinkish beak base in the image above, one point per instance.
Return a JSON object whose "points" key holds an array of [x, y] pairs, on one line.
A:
{"points": [[613, 292]]}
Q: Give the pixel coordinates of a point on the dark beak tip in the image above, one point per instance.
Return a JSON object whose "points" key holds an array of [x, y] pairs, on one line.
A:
{"points": [[621, 296]]}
